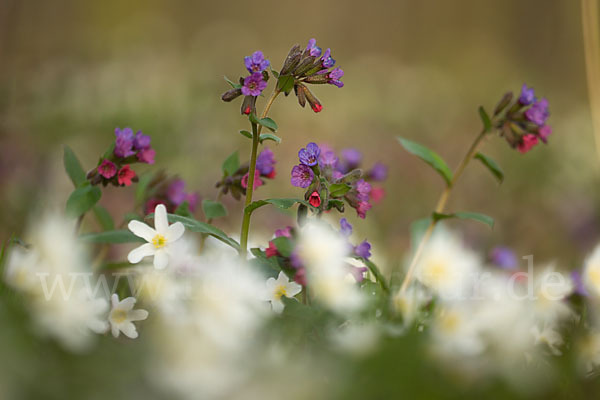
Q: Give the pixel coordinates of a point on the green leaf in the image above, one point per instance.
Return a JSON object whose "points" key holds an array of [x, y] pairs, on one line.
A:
{"points": [[231, 164], [232, 83], [132, 216], [491, 165], [112, 236], [109, 151], [284, 246], [142, 187], [338, 189], [489, 221], [485, 118], [184, 210], [73, 167], [213, 209], [202, 227], [377, 273], [103, 217], [285, 83], [268, 123], [246, 133], [281, 203], [82, 200], [275, 73], [269, 136], [429, 156]]}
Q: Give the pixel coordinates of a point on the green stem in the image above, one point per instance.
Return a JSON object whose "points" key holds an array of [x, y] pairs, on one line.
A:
{"points": [[441, 205], [256, 129]]}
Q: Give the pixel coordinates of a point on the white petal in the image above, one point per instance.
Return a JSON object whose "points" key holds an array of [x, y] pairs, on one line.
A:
{"points": [[278, 306], [115, 330], [161, 223], [142, 230], [136, 255], [161, 259], [282, 278], [138, 315], [174, 232], [127, 304], [114, 299], [292, 289], [129, 330]]}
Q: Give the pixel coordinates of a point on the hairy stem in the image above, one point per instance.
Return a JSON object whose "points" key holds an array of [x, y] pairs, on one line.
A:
{"points": [[256, 129], [591, 45], [439, 208]]}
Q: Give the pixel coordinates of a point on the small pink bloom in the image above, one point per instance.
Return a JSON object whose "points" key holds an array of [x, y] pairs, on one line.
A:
{"points": [[271, 175], [125, 175], [544, 132], [527, 143], [107, 169], [271, 251], [300, 276], [152, 203], [146, 155], [257, 181], [315, 199], [362, 209], [287, 232], [377, 193]]}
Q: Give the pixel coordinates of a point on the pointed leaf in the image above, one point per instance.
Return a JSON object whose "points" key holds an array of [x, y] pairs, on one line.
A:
{"points": [[268, 123], [231, 164], [103, 217], [233, 84], [82, 200], [485, 118], [492, 166], [269, 136], [112, 236], [338, 189], [281, 203], [489, 221], [429, 156], [141, 189], [213, 209], [285, 83], [246, 133], [73, 167]]}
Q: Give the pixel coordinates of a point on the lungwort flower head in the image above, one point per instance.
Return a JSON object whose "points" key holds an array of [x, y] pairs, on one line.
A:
{"points": [[159, 238], [302, 176], [254, 85], [309, 155], [256, 62]]}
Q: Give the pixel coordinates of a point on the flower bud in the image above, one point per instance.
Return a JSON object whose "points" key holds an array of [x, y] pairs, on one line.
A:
{"points": [[231, 94], [249, 105], [315, 104], [506, 99], [291, 61], [301, 96], [304, 66], [317, 79], [351, 176]]}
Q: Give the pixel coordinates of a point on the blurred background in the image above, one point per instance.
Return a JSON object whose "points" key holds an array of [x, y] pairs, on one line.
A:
{"points": [[72, 71]]}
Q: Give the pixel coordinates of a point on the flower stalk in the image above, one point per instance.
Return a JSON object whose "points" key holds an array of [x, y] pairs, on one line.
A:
{"points": [[441, 205]]}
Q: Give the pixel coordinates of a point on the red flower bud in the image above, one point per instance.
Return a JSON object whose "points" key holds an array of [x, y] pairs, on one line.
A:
{"points": [[315, 199]]}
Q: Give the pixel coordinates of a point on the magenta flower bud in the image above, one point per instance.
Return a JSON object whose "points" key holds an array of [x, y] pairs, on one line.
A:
{"points": [[107, 169], [527, 143]]}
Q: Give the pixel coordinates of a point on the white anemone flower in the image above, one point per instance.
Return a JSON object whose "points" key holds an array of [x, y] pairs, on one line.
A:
{"points": [[122, 316], [159, 239], [277, 288]]}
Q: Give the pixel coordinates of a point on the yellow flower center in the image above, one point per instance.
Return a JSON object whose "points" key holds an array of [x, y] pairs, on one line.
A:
{"points": [[159, 241], [119, 316], [594, 275], [450, 322], [280, 291]]}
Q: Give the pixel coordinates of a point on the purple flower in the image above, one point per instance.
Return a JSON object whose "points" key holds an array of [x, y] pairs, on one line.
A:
{"points": [[192, 200], [256, 62], [504, 257], [364, 189], [124, 142], [107, 169], [146, 155], [363, 250], [302, 176], [538, 112], [527, 95], [351, 156], [254, 85], [544, 132], [313, 49], [345, 227], [309, 155], [265, 163], [334, 77], [326, 60], [328, 158], [284, 232], [379, 172], [578, 282], [176, 192], [141, 141], [337, 175]]}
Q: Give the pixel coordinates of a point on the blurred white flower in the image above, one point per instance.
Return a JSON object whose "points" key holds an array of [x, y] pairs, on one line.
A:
{"points": [[323, 253], [159, 239], [53, 275], [455, 332], [549, 337], [446, 267], [277, 288], [591, 272], [550, 289], [409, 302], [122, 316]]}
